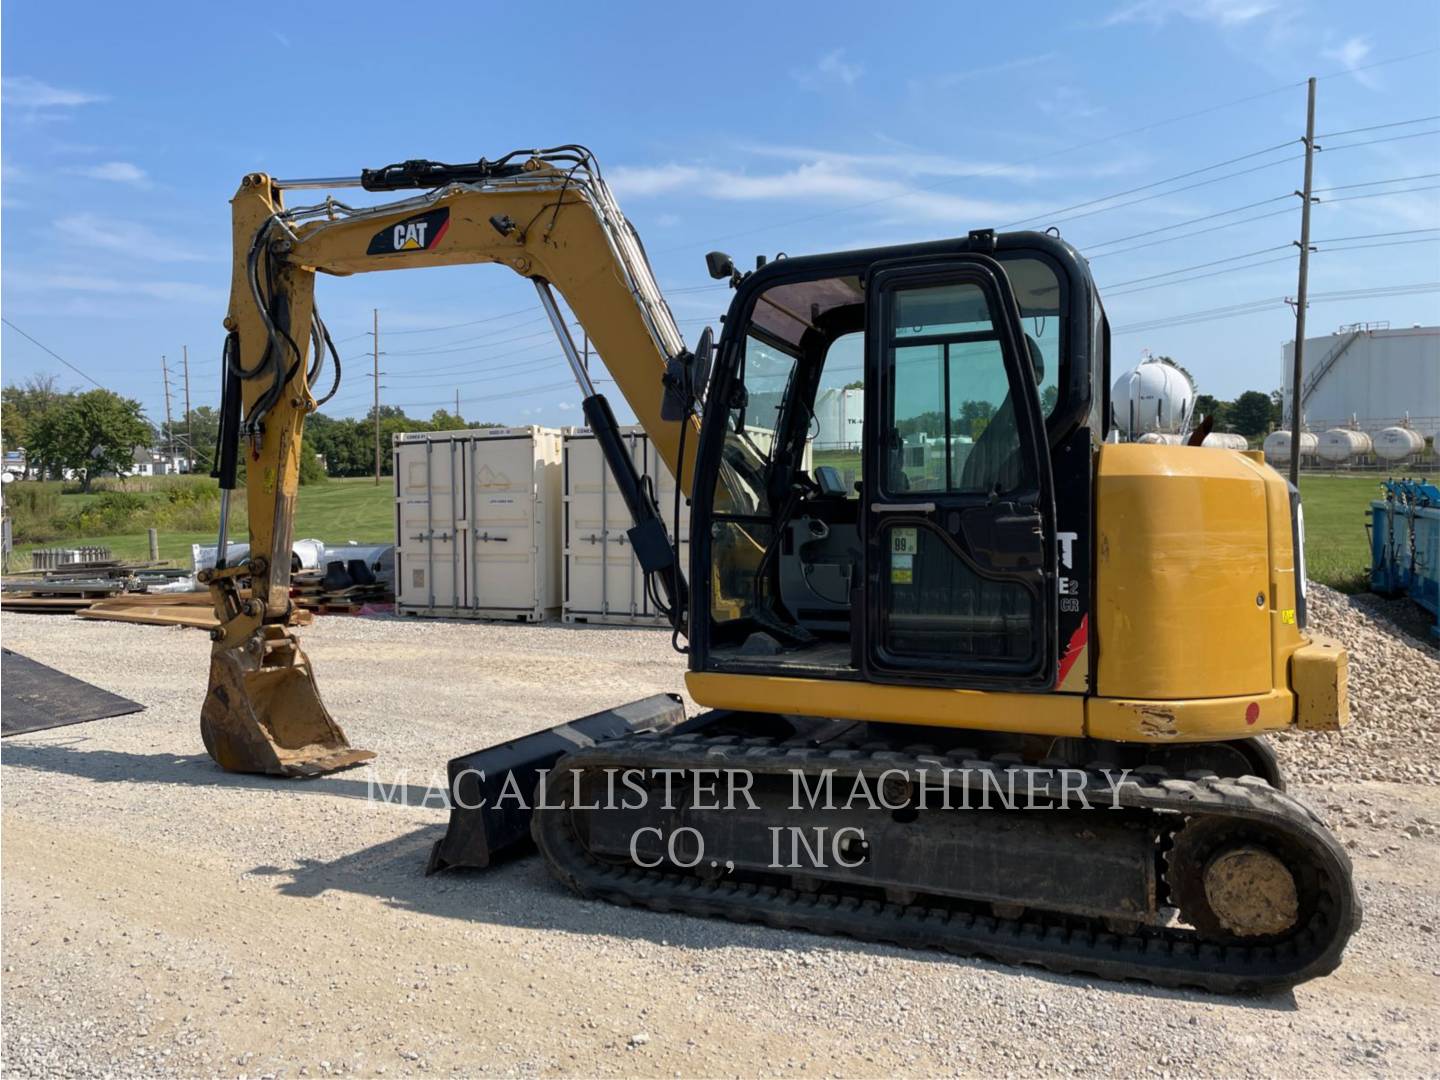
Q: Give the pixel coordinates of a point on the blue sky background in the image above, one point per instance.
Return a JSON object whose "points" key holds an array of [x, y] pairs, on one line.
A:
{"points": [[754, 127]]}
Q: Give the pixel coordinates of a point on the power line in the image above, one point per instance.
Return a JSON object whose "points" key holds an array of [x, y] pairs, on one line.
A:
{"points": [[1152, 184], [1376, 142], [1265, 202], [1377, 183], [1373, 235], [1379, 194], [1209, 274], [1176, 191], [1197, 232], [1191, 221], [1273, 302], [1197, 266], [1377, 127], [1388, 243], [52, 352]]}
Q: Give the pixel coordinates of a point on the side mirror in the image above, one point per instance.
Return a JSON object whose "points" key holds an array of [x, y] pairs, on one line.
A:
{"points": [[685, 377], [704, 360], [720, 265]]}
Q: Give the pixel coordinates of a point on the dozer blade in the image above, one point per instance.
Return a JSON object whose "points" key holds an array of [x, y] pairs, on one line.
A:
{"points": [[491, 790], [263, 713]]}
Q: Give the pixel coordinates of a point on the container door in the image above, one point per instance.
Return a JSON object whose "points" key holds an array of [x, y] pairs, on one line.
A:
{"points": [[430, 520], [959, 523], [504, 540], [591, 546]]}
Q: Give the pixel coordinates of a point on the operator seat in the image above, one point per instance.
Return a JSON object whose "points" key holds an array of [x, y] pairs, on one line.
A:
{"points": [[995, 462]]}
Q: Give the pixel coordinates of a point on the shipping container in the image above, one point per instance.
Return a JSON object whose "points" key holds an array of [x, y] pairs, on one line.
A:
{"points": [[477, 523], [603, 580]]}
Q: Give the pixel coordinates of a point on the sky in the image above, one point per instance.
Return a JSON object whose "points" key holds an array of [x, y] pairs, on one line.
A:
{"points": [[799, 127]]}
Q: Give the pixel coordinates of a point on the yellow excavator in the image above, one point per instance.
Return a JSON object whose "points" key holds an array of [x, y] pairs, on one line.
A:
{"points": [[974, 592]]}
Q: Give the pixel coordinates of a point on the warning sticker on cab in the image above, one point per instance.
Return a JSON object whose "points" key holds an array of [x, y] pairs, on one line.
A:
{"points": [[902, 567], [904, 541]]}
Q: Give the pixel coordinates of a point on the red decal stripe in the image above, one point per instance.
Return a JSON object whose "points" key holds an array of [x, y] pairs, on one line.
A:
{"points": [[1073, 650], [440, 232]]}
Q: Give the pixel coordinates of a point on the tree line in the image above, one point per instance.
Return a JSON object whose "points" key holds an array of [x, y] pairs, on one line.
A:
{"points": [[96, 432]]}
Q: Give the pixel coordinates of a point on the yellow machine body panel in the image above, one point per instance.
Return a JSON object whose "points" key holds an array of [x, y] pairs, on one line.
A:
{"points": [[1195, 614], [1183, 573], [1031, 714]]}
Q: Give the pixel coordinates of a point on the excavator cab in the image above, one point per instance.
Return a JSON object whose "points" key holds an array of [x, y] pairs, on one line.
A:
{"points": [[885, 434]]}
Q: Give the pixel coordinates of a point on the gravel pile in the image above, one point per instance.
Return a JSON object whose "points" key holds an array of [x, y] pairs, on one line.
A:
{"points": [[1394, 730]]}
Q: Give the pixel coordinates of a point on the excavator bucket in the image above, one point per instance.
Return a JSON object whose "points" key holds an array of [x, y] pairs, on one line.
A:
{"points": [[263, 713]]}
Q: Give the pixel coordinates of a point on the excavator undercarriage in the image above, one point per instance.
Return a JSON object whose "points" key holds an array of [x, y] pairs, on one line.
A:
{"points": [[1223, 884]]}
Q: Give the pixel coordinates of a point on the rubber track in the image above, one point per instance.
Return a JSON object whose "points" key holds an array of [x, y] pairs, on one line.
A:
{"points": [[1064, 943]]}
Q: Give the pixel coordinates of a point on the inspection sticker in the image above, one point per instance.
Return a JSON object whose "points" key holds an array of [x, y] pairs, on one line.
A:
{"points": [[902, 568], [904, 541]]}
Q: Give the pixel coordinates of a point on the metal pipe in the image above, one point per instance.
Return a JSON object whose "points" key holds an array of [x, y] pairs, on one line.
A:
{"points": [[562, 332], [319, 182]]}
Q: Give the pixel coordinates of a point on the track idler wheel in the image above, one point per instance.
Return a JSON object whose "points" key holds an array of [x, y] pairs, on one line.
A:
{"points": [[1234, 882]]}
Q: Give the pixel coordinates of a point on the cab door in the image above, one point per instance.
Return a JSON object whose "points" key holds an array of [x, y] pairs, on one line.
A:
{"points": [[959, 518]]}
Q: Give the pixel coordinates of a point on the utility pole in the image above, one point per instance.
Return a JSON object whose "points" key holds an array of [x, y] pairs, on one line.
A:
{"points": [[376, 334], [1301, 294], [189, 427], [457, 403], [169, 428]]}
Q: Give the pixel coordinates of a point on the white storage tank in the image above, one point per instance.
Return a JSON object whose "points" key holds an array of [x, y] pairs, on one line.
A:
{"points": [[1163, 438], [1397, 443], [1226, 440], [1339, 445], [603, 580], [1277, 447], [1155, 396], [477, 523]]}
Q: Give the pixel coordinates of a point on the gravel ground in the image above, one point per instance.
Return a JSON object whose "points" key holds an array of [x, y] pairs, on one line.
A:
{"points": [[162, 917], [1394, 732]]}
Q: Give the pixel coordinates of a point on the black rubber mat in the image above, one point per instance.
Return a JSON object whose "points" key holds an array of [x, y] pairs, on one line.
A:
{"points": [[34, 697]]}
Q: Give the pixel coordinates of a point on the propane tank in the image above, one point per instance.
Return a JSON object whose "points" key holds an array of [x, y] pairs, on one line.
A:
{"points": [[1277, 447], [1342, 444], [1397, 443], [1153, 397], [1226, 440]]}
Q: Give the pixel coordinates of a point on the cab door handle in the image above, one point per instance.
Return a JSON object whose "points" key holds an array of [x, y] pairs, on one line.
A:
{"points": [[902, 508]]}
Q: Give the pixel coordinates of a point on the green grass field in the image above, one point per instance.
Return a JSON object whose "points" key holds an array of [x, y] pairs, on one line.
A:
{"points": [[1337, 550], [335, 511]]}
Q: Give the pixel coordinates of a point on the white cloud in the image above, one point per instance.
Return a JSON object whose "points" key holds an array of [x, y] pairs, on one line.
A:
{"points": [[907, 163], [119, 172], [653, 179], [1068, 102], [128, 238], [181, 291], [831, 69], [823, 178], [1221, 13], [1351, 54], [667, 221], [27, 92], [954, 78]]}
